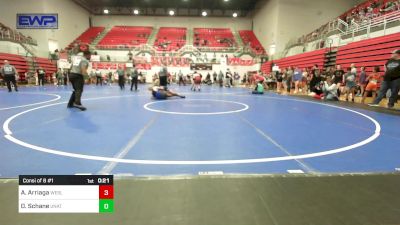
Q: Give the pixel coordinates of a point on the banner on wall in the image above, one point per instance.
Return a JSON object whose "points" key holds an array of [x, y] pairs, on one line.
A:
{"points": [[114, 66], [241, 62], [63, 55], [37, 21], [95, 58], [63, 64], [143, 66]]}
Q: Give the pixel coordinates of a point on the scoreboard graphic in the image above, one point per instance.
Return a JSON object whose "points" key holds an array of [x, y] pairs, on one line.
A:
{"points": [[66, 194]]}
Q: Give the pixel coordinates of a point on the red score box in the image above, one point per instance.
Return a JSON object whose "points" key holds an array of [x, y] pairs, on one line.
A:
{"points": [[106, 192]]}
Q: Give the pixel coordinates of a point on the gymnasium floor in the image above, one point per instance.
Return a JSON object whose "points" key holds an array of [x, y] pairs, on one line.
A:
{"points": [[215, 131]]}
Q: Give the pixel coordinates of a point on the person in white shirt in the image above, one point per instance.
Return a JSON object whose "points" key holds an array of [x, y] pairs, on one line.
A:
{"points": [[330, 90], [196, 81]]}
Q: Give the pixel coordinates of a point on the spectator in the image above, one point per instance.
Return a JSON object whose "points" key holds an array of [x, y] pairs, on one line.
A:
{"points": [[304, 81], [362, 82], [289, 79], [328, 73], [279, 79], [315, 80], [215, 75], [353, 69], [391, 80], [297, 78], [221, 79], [110, 76], [196, 81], [208, 79], [259, 90], [60, 77], [330, 90], [228, 78], [350, 81], [338, 77], [373, 81]]}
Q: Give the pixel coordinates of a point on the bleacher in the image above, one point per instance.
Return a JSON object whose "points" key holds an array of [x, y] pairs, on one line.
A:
{"points": [[304, 60], [125, 37], [368, 53], [250, 39], [17, 61], [88, 36], [170, 39], [267, 66], [213, 37]]}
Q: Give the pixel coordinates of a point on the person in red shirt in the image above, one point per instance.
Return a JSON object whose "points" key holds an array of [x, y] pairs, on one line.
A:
{"points": [[259, 78]]}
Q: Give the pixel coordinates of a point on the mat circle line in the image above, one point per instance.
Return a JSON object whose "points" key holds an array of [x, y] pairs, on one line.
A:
{"points": [[147, 107], [374, 136], [32, 104]]}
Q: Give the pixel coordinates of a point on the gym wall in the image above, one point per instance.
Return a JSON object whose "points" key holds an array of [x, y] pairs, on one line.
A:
{"points": [[188, 22], [73, 20]]}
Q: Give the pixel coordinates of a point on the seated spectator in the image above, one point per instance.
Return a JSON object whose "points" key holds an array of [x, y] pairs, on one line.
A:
{"points": [[315, 81], [259, 90], [330, 91]]}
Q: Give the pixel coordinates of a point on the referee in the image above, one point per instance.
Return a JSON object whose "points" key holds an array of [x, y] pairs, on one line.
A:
{"points": [[134, 75], [9, 72], [163, 77], [121, 77], [79, 69], [41, 74]]}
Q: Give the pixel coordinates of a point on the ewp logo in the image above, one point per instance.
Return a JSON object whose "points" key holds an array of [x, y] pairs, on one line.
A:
{"points": [[37, 21]]}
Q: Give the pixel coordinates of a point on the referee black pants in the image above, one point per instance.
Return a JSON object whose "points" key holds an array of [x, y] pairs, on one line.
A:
{"points": [[10, 79], [163, 81], [77, 84], [99, 80], [121, 82], [134, 82], [41, 80]]}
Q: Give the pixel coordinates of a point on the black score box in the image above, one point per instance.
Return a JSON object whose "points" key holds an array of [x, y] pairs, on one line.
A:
{"points": [[66, 194]]}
